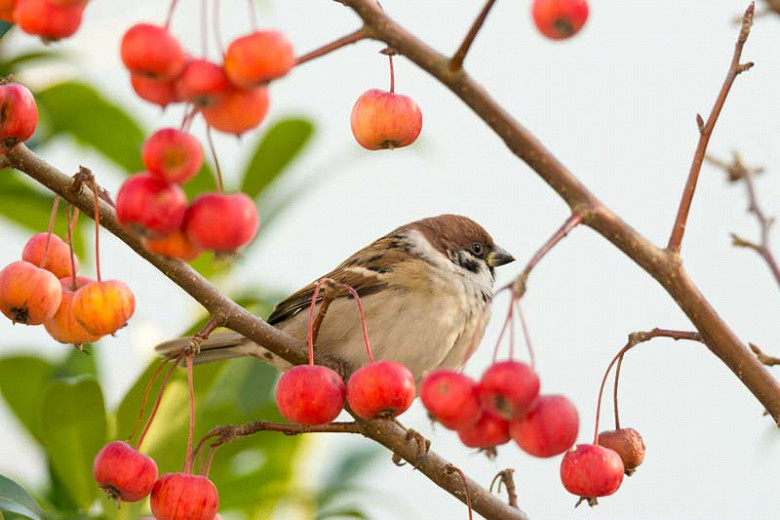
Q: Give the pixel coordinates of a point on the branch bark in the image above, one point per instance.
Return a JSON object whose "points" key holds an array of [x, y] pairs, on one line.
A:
{"points": [[661, 264]]}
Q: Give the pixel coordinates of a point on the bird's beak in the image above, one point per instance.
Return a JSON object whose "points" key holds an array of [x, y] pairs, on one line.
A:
{"points": [[498, 257]]}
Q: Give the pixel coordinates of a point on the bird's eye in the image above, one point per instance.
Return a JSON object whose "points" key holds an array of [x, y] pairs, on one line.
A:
{"points": [[477, 249]]}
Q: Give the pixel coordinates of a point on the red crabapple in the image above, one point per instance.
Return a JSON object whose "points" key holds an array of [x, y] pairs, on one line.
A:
{"points": [[178, 496], [221, 222], [151, 50], [310, 394], [451, 398], [488, 432], [590, 471], [152, 206], [380, 389], [559, 19], [124, 473], [549, 428], [57, 257], [172, 155], [509, 389], [18, 115]]}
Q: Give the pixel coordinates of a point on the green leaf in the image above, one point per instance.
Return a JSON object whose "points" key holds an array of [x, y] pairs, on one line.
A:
{"points": [[76, 364], [14, 499], [4, 27], [22, 382], [78, 110], [73, 422], [14, 64], [280, 144]]}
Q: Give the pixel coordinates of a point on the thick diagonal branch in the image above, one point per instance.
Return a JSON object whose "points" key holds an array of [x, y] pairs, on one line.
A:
{"points": [[658, 263]]}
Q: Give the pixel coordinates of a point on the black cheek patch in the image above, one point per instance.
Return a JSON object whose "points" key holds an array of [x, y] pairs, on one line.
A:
{"points": [[469, 264]]}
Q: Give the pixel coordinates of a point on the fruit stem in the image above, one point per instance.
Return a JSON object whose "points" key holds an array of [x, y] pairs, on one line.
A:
{"points": [[507, 321], [191, 434], [145, 398], [362, 314], [49, 231], [392, 73], [97, 228], [171, 9], [526, 333], [72, 217], [634, 339], [253, 16], [310, 335], [217, 169], [615, 393], [163, 386]]}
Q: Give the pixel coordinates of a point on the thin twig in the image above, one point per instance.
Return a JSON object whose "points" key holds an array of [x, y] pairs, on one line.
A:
{"points": [[456, 63], [738, 171], [225, 434], [705, 131], [766, 359], [634, 339], [454, 469], [506, 477], [518, 285], [352, 37]]}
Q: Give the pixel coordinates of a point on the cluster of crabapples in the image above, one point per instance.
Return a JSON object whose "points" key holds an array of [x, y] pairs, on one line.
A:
{"points": [[505, 404], [154, 204], [43, 288], [49, 19], [232, 97], [315, 394], [127, 475]]}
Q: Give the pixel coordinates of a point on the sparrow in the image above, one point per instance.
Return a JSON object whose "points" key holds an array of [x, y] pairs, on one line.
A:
{"points": [[425, 288]]}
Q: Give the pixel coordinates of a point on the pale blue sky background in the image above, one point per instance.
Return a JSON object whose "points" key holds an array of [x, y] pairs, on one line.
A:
{"points": [[616, 105]]}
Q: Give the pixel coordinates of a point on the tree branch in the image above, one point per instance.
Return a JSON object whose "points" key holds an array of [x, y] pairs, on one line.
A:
{"points": [[705, 131], [738, 171], [662, 265], [456, 63], [388, 433]]}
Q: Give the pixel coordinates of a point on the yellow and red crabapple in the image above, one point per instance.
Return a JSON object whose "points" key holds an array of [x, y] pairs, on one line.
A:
{"points": [[258, 57], [28, 294], [384, 120], [237, 110], [57, 256], [63, 326], [103, 307]]}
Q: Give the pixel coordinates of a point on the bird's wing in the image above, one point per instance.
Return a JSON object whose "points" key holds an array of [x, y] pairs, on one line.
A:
{"points": [[364, 271]]}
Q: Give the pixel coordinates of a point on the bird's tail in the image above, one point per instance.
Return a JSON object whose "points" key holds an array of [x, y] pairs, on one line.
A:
{"points": [[220, 345]]}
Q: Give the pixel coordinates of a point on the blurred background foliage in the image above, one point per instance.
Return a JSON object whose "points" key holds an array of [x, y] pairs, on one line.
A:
{"points": [[60, 403]]}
